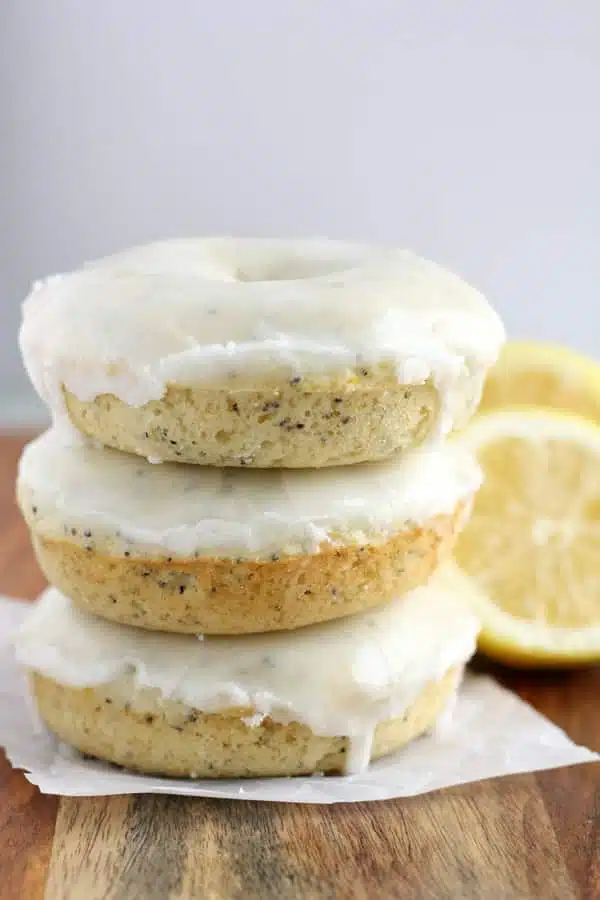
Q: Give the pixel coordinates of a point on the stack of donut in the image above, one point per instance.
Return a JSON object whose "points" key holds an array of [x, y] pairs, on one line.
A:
{"points": [[247, 502]]}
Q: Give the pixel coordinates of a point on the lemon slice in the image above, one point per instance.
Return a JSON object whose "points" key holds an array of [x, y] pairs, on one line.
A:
{"points": [[548, 375], [532, 544]]}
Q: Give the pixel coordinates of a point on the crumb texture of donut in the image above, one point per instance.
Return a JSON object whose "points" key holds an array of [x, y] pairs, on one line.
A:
{"points": [[291, 426], [165, 737], [225, 596]]}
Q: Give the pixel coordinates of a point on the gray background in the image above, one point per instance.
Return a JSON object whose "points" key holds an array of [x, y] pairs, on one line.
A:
{"points": [[469, 131]]}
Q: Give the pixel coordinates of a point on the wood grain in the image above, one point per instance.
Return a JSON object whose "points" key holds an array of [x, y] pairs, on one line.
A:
{"points": [[532, 836], [26, 817]]}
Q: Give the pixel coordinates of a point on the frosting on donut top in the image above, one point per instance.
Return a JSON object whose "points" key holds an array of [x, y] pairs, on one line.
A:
{"points": [[226, 311], [340, 678], [71, 490]]}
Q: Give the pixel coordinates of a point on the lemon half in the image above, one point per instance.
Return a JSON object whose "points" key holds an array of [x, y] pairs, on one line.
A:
{"points": [[532, 544], [544, 375]]}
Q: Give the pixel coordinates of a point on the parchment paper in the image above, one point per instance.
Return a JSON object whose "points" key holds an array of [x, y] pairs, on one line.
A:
{"points": [[489, 732]]}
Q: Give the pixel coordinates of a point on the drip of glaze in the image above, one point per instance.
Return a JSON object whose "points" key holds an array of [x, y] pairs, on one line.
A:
{"points": [[359, 752]]}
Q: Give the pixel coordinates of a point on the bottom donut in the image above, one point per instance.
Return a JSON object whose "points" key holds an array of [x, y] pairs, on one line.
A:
{"points": [[186, 743], [326, 698]]}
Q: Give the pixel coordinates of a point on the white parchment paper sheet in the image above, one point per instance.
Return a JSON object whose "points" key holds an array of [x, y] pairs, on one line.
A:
{"points": [[491, 732]]}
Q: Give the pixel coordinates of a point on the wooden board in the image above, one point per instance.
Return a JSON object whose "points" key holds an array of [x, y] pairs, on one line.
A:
{"points": [[532, 836]]}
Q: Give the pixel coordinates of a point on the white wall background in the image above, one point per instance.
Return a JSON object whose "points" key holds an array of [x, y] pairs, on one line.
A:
{"points": [[468, 130]]}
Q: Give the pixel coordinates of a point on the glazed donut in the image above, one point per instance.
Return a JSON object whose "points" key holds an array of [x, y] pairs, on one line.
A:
{"points": [[261, 353], [326, 698], [183, 548]]}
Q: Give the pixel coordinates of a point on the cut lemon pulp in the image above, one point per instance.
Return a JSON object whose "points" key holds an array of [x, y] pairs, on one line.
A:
{"points": [[546, 375], [532, 544]]}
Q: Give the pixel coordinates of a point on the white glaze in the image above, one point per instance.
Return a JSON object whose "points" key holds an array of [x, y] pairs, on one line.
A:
{"points": [[206, 310], [339, 678], [178, 510]]}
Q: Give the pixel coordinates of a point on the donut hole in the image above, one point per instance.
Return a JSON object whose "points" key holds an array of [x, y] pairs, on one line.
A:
{"points": [[292, 268]]}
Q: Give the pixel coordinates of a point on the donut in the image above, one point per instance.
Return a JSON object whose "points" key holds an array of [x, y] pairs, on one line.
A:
{"points": [[260, 353], [183, 548], [326, 698]]}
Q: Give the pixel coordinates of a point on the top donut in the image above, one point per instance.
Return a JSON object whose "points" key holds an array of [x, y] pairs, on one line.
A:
{"points": [[264, 353]]}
